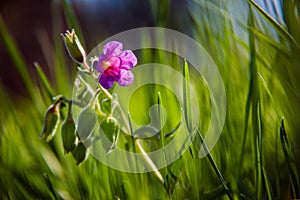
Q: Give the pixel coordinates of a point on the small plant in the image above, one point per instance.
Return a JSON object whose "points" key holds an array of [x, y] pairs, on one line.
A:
{"points": [[112, 66]]}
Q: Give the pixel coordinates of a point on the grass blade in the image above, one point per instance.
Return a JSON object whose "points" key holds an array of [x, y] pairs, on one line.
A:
{"points": [[267, 185], [259, 155], [72, 20], [186, 96], [290, 161], [274, 23], [44, 80], [215, 167]]}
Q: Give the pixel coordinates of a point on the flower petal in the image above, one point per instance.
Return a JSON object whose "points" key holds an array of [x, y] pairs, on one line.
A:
{"points": [[104, 64], [101, 58], [113, 48], [128, 58], [106, 81], [126, 77]]}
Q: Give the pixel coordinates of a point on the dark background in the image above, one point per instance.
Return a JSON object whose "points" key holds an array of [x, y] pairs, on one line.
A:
{"points": [[29, 21]]}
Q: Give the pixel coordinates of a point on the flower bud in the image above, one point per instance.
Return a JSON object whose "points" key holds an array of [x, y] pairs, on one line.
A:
{"points": [[79, 153], [68, 134], [73, 46], [50, 122]]}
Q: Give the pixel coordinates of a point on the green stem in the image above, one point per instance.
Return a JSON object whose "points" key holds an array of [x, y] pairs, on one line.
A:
{"points": [[149, 161], [105, 91]]}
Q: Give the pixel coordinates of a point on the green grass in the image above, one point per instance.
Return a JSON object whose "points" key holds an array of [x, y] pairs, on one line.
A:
{"points": [[255, 157]]}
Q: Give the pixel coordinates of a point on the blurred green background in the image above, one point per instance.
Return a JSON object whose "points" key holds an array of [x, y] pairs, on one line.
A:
{"points": [[256, 48]]}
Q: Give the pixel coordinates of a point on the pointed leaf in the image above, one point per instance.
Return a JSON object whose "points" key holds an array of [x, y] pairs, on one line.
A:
{"points": [[86, 122]]}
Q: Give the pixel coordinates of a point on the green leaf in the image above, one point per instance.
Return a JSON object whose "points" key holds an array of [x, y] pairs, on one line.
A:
{"points": [[106, 105], [79, 153], [50, 122], [86, 122], [111, 128]]}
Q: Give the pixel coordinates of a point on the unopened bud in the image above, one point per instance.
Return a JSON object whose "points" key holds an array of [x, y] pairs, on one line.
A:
{"points": [[74, 46], [79, 153], [50, 122], [68, 134]]}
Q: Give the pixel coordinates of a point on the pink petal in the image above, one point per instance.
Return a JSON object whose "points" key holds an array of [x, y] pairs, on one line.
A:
{"points": [[104, 64], [101, 58], [126, 77], [128, 58], [113, 48]]}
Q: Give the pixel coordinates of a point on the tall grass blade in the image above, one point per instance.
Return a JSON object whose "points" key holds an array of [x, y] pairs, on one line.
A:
{"points": [[215, 167], [160, 106], [186, 96], [281, 30], [267, 185], [44, 80], [259, 155], [72, 20], [290, 161], [60, 69], [265, 85], [255, 102]]}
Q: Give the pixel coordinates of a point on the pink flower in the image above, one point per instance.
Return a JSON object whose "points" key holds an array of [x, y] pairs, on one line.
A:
{"points": [[114, 65]]}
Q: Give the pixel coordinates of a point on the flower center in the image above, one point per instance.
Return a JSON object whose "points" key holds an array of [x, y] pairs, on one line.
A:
{"points": [[105, 65]]}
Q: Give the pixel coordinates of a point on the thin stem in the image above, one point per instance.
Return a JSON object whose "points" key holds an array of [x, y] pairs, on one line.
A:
{"points": [[86, 66], [77, 103], [117, 105], [149, 162], [105, 91]]}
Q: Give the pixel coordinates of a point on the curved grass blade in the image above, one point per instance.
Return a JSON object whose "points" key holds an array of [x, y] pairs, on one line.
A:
{"points": [[44, 79], [274, 23], [215, 167]]}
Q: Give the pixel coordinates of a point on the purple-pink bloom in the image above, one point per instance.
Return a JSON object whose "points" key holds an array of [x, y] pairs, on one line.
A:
{"points": [[114, 65]]}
